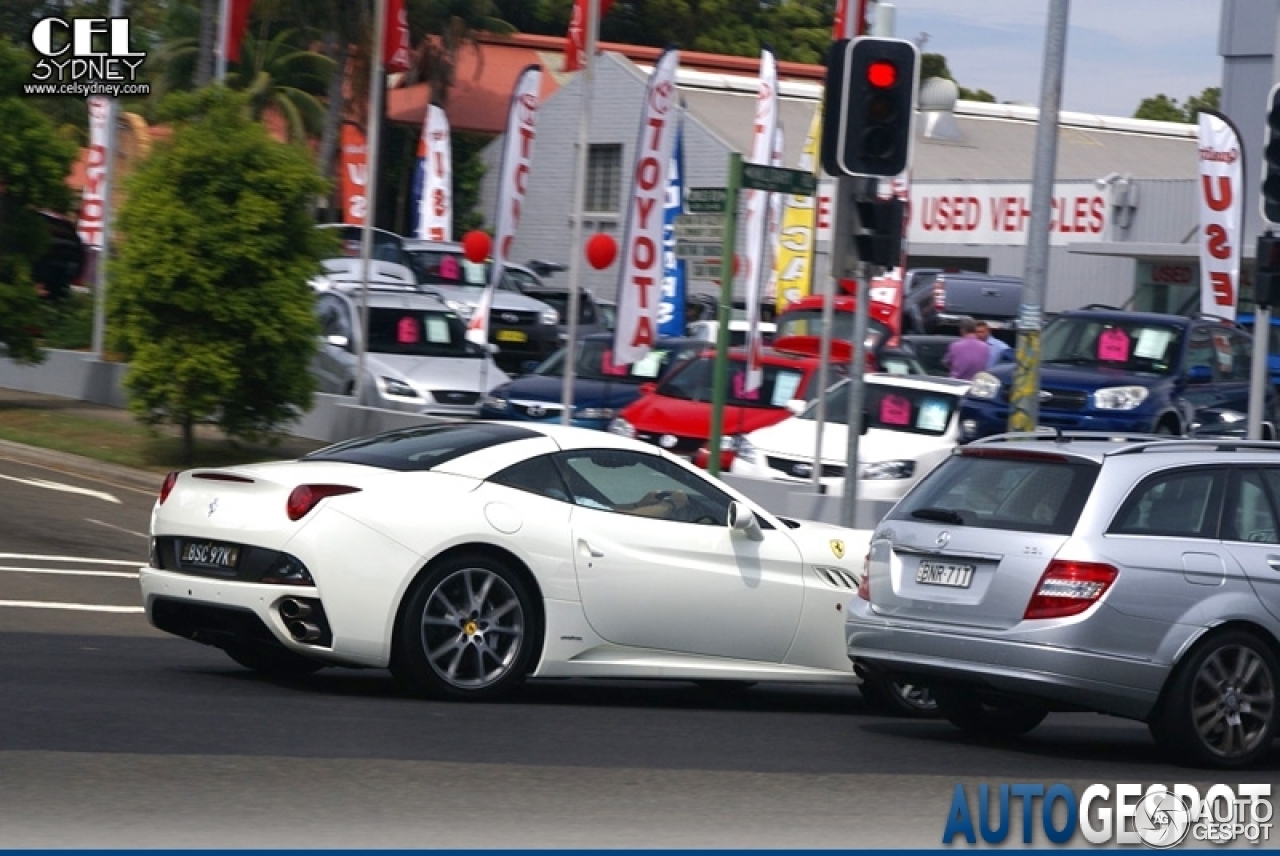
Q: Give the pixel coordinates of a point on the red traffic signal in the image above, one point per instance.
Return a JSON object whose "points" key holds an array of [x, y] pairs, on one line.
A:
{"points": [[882, 74], [869, 106]]}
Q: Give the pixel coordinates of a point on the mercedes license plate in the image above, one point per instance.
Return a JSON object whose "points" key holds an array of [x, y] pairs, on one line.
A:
{"points": [[944, 574], [209, 554]]}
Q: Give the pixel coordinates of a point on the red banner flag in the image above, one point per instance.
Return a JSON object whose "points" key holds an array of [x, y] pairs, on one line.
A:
{"points": [[354, 165], [575, 51], [93, 204], [517, 159], [395, 41], [639, 289], [237, 25]]}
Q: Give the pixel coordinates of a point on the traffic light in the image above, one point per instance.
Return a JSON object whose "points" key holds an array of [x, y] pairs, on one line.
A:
{"points": [[869, 106], [877, 237], [1266, 276], [1271, 159]]}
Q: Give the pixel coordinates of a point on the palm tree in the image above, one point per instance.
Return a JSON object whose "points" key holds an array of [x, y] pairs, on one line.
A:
{"points": [[284, 79]]}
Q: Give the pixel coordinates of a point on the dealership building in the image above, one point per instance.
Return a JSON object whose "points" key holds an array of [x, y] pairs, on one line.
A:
{"points": [[1125, 207]]}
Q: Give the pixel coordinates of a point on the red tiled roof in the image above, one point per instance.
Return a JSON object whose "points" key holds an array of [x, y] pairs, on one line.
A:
{"points": [[480, 102]]}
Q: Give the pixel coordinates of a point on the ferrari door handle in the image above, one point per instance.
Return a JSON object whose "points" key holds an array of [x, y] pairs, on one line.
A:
{"points": [[588, 550]]}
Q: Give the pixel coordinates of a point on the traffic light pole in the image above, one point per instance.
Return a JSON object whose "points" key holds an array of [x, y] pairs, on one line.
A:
{"points": [[720, 376], [1259, 375], [1266, 274], [1024, 397], [857, 397]]}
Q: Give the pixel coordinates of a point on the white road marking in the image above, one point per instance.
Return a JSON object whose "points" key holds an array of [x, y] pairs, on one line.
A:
{"points": [[65, 488], [70, 573], [39, 558], [117, 528], [81, 607]]}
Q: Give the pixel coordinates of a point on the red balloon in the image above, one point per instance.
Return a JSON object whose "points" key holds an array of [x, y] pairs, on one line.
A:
{"points": [[476, 246], [602, 249]]}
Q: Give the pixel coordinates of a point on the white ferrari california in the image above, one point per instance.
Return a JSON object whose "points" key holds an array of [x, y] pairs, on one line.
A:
{"points": [[469, 556]]}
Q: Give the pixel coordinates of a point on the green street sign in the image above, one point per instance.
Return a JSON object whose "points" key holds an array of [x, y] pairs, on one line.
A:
{"points": [[774, 179], [706, 200]]}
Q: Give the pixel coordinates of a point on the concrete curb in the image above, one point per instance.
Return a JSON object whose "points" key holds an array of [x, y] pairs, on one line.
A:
{"points": [[79, 465]]}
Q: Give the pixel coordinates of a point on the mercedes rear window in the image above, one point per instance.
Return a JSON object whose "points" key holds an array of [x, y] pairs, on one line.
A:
{"points": [[1022, 492], [421, 448]]}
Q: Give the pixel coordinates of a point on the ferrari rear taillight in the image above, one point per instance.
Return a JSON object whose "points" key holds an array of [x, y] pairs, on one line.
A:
{"points": [[1069, 588], [305, 497], [167, 487]]}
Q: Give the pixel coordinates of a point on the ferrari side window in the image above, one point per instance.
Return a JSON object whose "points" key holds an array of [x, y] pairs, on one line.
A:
{"points": [[643, 485], [536, 475]]}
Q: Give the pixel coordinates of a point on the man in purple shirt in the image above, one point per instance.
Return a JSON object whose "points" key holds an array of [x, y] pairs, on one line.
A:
{"points": [[968, 355]]}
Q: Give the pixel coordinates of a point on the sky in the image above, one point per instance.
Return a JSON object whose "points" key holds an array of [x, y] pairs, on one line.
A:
{"points": [[1118, 51]]}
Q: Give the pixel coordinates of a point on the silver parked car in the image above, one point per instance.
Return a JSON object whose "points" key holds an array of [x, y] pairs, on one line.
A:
{"points": [[1133, 576], [418, 357], [523, 328]]}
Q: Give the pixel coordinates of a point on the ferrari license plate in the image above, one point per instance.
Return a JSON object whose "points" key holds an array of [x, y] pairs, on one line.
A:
{"points": [[512, 336], [209, 554], [944, 574]]}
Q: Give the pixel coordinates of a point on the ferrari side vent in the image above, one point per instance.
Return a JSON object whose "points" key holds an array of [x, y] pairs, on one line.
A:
{"points": [[836, 578]]}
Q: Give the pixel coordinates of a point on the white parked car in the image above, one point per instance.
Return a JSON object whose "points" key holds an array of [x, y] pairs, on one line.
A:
{"points": [[417, 359], [468, 556], [912, 423]]}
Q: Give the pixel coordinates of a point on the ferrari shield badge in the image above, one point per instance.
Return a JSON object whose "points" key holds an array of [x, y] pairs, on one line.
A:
{"points": [[837, 547]]}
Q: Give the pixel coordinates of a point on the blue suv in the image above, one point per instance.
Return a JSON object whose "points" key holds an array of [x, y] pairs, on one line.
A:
{"points": [[1129, 372]]}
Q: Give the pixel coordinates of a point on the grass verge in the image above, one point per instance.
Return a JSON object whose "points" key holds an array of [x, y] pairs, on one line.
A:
{"points": [[116, 438]]}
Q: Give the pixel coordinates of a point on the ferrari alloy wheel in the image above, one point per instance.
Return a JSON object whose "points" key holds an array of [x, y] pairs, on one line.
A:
{"points": [[1220, 707], [469, 630]]}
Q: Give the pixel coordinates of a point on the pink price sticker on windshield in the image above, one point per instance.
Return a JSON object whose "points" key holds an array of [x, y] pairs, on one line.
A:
{"points": [[407, 330], [1113, 345], [895, 410], [449, 268]]}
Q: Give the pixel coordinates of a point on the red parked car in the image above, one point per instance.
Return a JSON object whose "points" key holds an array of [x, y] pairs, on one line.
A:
{"points": [[676, 412]]}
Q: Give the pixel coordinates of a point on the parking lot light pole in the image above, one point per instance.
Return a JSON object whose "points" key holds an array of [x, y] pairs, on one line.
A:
{"points": [[579, 191], [372, 142], [1024, 397]]}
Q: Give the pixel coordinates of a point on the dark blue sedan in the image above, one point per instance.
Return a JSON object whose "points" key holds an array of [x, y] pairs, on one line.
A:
{"points": [[600, 388], [1128, 372]]}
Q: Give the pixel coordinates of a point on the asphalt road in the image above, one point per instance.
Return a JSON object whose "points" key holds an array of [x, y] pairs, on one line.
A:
{"points": [[114, 735]]}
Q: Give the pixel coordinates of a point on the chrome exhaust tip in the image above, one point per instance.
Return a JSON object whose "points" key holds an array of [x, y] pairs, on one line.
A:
{"points": [[291, 608], [303, 631]]}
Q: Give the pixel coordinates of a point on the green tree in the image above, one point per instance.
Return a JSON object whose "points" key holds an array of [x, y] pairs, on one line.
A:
{"points": [[209, 298], [1162, 108], [1209, 99], [33, 163], [286, 79]]}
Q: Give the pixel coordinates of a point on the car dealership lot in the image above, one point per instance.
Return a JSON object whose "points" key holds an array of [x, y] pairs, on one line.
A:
{"points": [[118, 736]]}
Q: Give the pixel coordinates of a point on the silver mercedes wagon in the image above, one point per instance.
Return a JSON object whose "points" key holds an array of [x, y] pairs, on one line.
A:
{"points": [[1134, 576]]}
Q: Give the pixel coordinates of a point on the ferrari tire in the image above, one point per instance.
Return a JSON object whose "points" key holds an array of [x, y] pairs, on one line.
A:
{"points": [[470, 631], [273, 661], [898, 698], [987, 717], [1219, 709]]}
